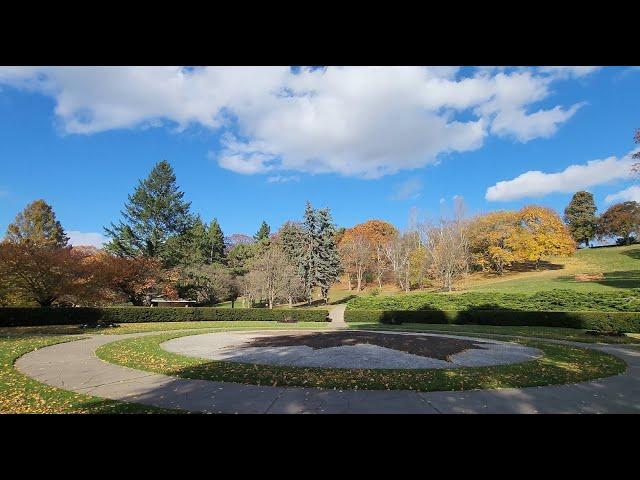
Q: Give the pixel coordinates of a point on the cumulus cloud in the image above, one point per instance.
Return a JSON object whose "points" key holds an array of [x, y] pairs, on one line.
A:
{"points": [[575, 177], [410, 189], [631, 194], [93, 239], [355, 121]]}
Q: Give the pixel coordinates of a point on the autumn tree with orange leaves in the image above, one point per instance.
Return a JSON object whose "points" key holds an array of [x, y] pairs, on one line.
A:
{"points": [[136, 280], [48, 275], [362, 250]]}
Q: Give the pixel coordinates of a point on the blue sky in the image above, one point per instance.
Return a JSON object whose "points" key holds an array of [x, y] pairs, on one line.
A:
{"points": [[253, 144]]}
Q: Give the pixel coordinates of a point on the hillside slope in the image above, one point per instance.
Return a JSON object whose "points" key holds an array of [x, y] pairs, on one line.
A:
{"points": [[610, 269]]}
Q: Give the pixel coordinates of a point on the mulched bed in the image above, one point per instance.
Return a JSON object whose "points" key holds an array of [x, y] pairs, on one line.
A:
{"points": [[433, 347]]}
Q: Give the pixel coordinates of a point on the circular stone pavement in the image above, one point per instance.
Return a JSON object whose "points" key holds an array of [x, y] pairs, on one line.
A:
{"points": [[352, 349]]}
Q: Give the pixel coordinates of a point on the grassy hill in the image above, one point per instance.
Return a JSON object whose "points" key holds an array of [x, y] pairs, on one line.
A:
{"points": [[619, 268]]}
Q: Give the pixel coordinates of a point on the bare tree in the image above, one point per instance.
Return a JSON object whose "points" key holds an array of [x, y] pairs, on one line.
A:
{"points": [[446, 247], [355, 254], [272, 277], [398, 252]]}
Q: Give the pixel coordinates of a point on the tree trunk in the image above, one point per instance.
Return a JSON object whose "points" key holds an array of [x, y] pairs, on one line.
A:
{"points": [[349, 281], [290, 301]]}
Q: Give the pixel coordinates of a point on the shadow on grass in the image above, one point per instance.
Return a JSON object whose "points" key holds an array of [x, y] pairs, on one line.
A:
{"points": [[635, 254]]}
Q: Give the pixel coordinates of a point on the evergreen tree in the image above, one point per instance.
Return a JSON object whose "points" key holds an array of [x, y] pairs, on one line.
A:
{"points": [[187, 249], [291, 238], [37, 225], [308, 257], [215, 243], [154, 213], [328, 260], [263, 232], [580, 216]]}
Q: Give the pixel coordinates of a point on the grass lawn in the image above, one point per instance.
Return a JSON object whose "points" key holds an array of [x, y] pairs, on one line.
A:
{"points": [[619, 265], [555, 333], [156, 327], [560, 364], [21, 394]]}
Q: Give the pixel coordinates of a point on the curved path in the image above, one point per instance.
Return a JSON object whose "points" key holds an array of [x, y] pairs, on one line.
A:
{"points": [[74, 366]]}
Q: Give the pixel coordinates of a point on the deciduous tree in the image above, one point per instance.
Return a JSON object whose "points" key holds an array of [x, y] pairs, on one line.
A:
{"points": [[37, 224], [355, 254], [540, 233], [489, 236], [46, 275], [620, 220], [136, 280]]}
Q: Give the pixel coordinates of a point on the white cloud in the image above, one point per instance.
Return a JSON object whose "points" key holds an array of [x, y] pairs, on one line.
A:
{"points": [[566, 72], [356, 121], [410, 189], [283, 178], [77, 239], [574, 177], [631, 194]]}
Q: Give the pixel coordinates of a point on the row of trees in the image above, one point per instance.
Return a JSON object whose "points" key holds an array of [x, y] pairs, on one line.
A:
{"points": [[439, 253], [159, 248], [621, 220], [38, 266]]}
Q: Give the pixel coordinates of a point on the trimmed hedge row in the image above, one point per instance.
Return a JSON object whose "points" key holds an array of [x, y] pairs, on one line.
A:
{"points": [[552, 300], [603, 321], [35, 316]]}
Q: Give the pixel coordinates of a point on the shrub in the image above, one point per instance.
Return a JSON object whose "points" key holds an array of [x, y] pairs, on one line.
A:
{"points": [[33, 316], [552, 300], [601, 321]]}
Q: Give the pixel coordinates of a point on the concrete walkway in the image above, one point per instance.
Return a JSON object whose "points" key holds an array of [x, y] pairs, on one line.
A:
{"points": [[336, 313], [74, 366]]}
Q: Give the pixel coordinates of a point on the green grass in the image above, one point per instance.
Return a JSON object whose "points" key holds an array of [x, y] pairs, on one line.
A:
{"points": [[156, 327], [555, 333], [560, 364], [21, 394], [620, 266]]}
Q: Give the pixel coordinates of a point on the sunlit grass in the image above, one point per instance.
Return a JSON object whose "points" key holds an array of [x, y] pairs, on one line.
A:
{"points": [[560, 364], [21, 394], [555, 333]]}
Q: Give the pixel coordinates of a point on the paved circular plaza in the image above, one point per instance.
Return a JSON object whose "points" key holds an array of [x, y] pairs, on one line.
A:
{"points": [[352, 349]]}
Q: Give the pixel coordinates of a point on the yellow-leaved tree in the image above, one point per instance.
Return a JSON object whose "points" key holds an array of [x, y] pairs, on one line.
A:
{"points": [[540, 232], [489, 240]]}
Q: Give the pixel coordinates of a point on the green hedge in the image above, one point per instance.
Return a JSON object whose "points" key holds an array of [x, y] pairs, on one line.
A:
{"points": [[606, 321], [548, 301], [33, 316]]}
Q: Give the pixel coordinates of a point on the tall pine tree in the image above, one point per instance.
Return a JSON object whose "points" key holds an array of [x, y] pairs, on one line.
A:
{"points": [[308, 257], [154, 213], [263, 232], [580, 216], [319, 259], [215, 243], [328, 264]]}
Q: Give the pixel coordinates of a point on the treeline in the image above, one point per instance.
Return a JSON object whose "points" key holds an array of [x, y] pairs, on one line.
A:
{"points": [[620, 221], [438, 254], [161, 249]]}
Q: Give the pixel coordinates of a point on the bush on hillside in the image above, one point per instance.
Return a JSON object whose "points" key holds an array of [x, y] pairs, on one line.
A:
{"points": [[552, 300], [598, 321]]}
